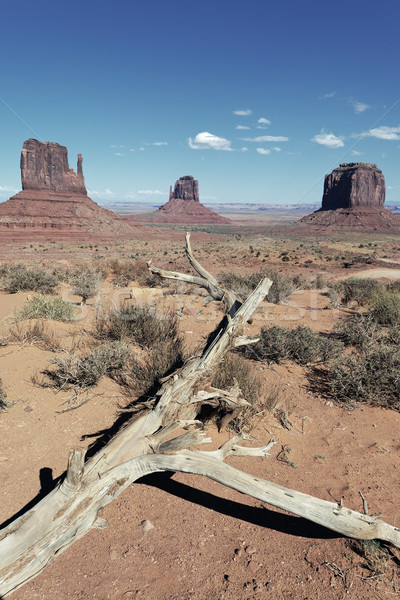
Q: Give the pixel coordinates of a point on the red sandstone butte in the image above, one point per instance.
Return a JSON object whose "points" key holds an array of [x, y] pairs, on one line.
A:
{"points": [[54, 203], [354, 196], [184, 207]]}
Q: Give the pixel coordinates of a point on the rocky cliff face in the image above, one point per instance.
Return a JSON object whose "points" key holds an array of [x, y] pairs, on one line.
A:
{"points": [[354, 196], [186, 188], [54, 203], [354, 185], [44, 166]]}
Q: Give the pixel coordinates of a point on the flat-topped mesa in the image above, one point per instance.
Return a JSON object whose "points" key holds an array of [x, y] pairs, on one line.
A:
{"points": [[44, 166], [186, 188], [354, 185]]}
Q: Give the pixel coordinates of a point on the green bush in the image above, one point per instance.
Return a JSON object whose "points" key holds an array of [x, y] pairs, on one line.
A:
{"points": [[46, 307], [386, 308], [76, 371], [19, 278], [300, 345]]}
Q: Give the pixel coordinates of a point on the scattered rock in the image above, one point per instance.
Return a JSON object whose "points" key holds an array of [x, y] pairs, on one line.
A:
{"points": [[146, 526]]}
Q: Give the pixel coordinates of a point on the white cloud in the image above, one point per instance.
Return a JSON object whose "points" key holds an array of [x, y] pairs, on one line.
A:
{"points": [[263, 151], [267, 138], [329, 95], [359, 107], [383, 133], [117, 146], [243, 149], [132, 150], [150, 193], [208, 141], [119, 154], [329, 140], [355, 153], [277, 149], [141, 148], [243, 113], [263, 123], [107, 192], [156, 144], [7, 189], [242, 127]]}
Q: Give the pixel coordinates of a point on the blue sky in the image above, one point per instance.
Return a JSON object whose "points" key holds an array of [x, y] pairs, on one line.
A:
{"points": [[257, 100]]}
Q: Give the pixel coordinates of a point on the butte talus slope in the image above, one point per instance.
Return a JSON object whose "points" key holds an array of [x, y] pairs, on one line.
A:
{"points": [[354, 196], [54, 203], [184, 207]]}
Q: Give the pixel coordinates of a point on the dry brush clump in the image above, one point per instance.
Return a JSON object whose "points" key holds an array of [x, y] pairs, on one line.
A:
{"points": [[300, 345], [235, 369], [86, 283], [35, 333], [282, 285], [126, 271], [3, 396], [79, 372], [157, 335], [19, 278]]}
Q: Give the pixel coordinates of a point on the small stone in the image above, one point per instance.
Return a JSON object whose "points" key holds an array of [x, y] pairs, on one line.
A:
{"points": [[146, 526], [269, 586], [28, 409], [113, 555], [250, 550]]}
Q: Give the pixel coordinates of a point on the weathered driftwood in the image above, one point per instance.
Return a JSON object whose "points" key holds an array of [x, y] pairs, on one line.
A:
{"points": [[154, 441]]}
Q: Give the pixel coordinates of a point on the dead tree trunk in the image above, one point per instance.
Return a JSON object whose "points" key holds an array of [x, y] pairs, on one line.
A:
{"points": [[152, 442]]}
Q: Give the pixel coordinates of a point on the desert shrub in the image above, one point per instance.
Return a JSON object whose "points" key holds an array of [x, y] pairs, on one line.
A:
{"points": [[37, 333], [144, 375], [86, 283], [3, 396], [139, 324], [394, 286], [46, 307], [251, 385], [77, 371], [19, 278], [300, 345], [386, 308], [354, 289], [133, 270], [371, 376], [282, 285], [156, 334], [358, 330], [300, 282], [319, 283]]}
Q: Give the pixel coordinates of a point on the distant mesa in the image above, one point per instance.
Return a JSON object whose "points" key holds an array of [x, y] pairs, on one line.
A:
{"points": [[184, 207], [354, 196], [54, 201]]}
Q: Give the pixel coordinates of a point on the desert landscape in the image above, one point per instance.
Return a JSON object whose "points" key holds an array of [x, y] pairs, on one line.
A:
{"points": [[335, 438], [199, 301]]}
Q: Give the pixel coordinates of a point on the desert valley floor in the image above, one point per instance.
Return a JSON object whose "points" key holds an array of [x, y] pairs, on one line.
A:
{"points": [[184, 537]]}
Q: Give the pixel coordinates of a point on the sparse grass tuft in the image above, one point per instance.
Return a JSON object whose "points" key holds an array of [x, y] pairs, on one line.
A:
{"points": [[133, 270], [354, 289], [300, 345], [46, 307], [37, 333], [19, 278], [376, 555]]}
